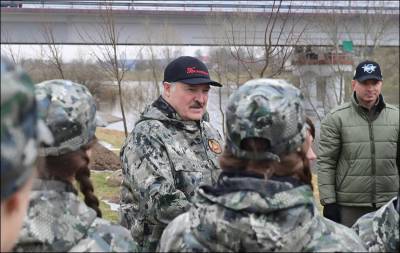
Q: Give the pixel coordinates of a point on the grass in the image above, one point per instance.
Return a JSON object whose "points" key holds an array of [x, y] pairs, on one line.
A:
{"points": [[104, 192], [114, 137]]}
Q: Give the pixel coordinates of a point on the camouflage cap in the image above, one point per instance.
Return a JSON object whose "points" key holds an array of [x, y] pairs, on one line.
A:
{"points": [[69, 110], [21, 131], [269, 109]]}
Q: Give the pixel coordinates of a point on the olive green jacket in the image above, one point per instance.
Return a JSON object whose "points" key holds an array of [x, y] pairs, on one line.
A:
{"points": [[357, 155]]}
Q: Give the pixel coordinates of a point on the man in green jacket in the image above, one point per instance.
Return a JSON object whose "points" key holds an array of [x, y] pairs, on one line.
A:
{"points": [[357, 171]]}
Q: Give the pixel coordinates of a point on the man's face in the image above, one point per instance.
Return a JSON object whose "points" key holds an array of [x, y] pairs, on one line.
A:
{"points": [[189, 101], [368, 91]]}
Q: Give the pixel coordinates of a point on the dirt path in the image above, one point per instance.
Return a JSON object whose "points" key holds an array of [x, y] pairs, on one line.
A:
{"points": [[104, 159]]}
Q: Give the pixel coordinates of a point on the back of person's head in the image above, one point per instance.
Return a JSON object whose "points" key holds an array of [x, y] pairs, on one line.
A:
{"points": [[266, 128], [69, 110], [21, 133]]}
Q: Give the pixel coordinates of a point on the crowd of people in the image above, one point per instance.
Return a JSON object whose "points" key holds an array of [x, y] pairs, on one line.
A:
{"points": [[185, 187]]}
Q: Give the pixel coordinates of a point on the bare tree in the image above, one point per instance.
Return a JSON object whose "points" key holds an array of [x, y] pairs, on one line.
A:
{"points": [[280, 28], [374, 23], [218, 59], [167, 34], [55, 51], [85, 72], [338, 25], [155, 69], [12, 51], [109, 54]]}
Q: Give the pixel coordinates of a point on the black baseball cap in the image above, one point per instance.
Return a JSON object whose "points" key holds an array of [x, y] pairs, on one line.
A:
{"points": [[188, 70], [367, 70]]}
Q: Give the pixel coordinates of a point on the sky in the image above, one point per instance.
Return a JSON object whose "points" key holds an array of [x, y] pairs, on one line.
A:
{"points": [[74, 52]]}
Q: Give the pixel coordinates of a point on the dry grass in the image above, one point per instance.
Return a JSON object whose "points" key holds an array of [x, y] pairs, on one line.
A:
{"points": [[114, 137], [103, 192]]}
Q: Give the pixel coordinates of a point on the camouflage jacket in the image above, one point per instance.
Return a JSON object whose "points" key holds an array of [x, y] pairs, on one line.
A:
{"points": [[58, 221], [246, 213], [163, 160], [379, 230]]}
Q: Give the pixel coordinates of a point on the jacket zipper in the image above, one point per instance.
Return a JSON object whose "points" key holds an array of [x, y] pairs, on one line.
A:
{"points": [[373, 164]]}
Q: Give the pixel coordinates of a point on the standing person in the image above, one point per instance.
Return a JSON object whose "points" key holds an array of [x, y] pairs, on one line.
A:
{"points": [[57, 219], [21, 132], [262, 201], [357, 171], [172, 149]]}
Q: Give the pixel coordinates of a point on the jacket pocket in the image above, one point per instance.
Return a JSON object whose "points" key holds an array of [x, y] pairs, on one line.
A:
{"points": [[189, 174]]}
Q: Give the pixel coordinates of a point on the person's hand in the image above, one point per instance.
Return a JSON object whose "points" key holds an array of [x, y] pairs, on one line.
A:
{"points": [[332, 212]]}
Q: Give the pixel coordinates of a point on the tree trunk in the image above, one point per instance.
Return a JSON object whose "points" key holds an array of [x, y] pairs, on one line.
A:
{"points": [[122, 108]]}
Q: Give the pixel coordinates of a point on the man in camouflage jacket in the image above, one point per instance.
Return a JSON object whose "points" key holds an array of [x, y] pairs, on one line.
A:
{"points": [[172, 150], [379, 230]]}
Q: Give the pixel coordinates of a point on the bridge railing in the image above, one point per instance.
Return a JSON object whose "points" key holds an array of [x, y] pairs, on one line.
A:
{"points": [[323, 58], [381, 7]]}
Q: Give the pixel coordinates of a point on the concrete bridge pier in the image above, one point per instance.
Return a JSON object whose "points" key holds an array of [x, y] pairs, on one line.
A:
{"points": [[322, 81]]}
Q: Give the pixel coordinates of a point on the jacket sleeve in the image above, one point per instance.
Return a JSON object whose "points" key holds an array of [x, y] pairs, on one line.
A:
{"points": [[147, 175], [328, 155]]}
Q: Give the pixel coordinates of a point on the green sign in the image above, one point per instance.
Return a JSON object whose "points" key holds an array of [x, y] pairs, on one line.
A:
{"points": [[347, 46]]}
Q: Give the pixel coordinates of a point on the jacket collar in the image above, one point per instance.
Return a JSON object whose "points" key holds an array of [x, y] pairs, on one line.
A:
{"points": [[162, 105], [162, 111], [240, 180], [375, 110]]}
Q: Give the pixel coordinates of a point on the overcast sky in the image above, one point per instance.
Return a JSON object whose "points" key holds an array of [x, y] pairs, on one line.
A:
{"points": [[72, 52]]}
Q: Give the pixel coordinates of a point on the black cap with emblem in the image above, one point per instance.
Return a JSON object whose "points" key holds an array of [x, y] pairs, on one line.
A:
{"points": [[188, 70], [368, 70]]}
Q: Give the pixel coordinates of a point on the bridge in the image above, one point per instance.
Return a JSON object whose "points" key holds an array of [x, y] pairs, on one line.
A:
{"points": [[200, 23]]}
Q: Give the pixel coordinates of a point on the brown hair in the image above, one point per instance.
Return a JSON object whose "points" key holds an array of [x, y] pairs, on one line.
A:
{"points": [[294, 164], [311, 127], [69, 165]]}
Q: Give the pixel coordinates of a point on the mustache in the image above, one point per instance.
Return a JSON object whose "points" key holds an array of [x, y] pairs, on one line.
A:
{"points": [[197, 105]]}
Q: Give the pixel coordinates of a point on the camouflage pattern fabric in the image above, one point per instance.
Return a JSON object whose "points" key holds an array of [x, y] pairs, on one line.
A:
{"points": [[379, 230], [163, 160], [69, 110], [243, 213], [58, 221], [266, 108], [21, 131]]}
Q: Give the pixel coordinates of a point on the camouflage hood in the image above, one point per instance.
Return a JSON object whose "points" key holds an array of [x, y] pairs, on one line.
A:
{"points": [[246, 213], [379, 230], [160, 110], [56, 220], [261, 204]]}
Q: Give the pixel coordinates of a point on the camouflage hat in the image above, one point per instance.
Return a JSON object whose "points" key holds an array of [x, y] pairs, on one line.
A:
{"points": [[269, 109], [69, 110], [21, 131]]}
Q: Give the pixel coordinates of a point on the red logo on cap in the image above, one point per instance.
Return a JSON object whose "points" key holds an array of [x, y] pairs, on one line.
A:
{"points": [[193, 70]]}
